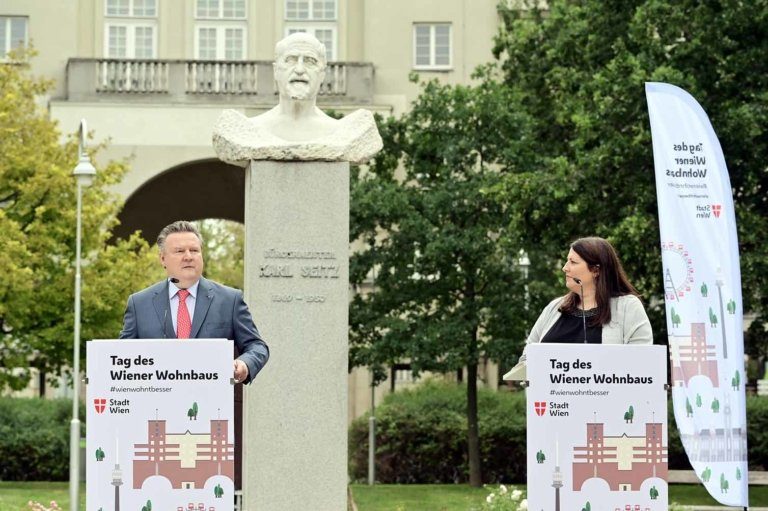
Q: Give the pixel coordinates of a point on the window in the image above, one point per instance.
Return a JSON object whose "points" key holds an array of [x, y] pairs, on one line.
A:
{"points": [[220, 9], [304, 10], [132, 8], [220, 42], [13, 33], [128, 38], [326, 34], [130, 41], [432, 46]]}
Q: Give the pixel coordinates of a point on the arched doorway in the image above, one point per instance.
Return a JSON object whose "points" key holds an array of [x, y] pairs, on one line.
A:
{"points": [[191, 191]]}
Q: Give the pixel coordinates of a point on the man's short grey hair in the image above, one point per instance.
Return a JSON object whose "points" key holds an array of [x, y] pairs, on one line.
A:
{"points": [[178, 226], [286, 42]]}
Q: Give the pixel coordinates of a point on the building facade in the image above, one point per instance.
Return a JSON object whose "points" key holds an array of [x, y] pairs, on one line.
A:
{"points": [[151, 77]]}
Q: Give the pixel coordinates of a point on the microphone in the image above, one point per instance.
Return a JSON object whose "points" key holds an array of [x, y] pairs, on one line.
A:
{"points": [[583, 309], [174, 280]]}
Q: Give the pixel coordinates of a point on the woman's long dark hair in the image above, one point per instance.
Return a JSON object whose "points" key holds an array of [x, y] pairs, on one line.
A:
{"points": [[611, 280]]}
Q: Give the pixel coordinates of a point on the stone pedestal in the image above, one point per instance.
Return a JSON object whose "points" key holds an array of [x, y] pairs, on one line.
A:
{"points": [[296, 285]]}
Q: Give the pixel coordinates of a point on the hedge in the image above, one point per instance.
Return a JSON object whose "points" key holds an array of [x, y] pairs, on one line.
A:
{"points": [[34, 439], [421, 436]]}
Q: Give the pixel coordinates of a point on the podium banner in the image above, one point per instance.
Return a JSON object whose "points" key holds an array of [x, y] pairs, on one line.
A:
{"points": [[160, 425], [597, 427]]}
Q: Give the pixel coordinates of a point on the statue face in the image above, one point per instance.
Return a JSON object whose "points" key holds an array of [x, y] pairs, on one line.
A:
{"points": [[299, 71]]}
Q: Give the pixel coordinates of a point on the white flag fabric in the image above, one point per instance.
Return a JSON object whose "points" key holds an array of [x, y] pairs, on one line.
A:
{"points": [[702, 285]]}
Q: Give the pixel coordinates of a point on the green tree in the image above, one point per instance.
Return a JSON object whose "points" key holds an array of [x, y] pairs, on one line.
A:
{"points": [[37, 238], [443, 295], [224, 250], [576, 74], [192, 412]]}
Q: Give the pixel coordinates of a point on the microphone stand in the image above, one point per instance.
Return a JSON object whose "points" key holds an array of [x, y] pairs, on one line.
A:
{"points": [[583, 308]]}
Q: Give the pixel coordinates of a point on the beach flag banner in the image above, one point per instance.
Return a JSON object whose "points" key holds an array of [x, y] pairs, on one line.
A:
{"points": [[702, 286]]}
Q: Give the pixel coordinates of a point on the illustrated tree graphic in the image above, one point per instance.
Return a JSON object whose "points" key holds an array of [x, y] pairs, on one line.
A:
{"points": [[715, 406], [675, 318], [704, 289], [654, 493], [192, 412], [712, 318], [738, 474], [587, 507], [629, 415], [99, 454], [731, 306], [723, 484], [706, 475], [698, 400], [688, 408], [736, 380], [540, 457], [147, 506], [218, 491]]}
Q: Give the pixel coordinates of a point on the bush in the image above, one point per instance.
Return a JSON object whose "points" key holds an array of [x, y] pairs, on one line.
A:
{"points": [[34, 439], [421, 436]]}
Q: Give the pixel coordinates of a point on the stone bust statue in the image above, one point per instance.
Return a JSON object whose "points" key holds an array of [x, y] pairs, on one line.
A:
{"points": [[296, 129]]}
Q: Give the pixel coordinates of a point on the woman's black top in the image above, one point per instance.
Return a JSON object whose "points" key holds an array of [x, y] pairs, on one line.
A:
{"points": [[569, 328]]}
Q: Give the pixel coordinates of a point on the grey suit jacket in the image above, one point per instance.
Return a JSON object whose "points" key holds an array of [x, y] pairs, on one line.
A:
{"points": [[220, 312]]}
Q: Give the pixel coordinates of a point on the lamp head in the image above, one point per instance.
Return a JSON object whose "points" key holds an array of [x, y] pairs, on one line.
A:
{"points": [[84, 171]]}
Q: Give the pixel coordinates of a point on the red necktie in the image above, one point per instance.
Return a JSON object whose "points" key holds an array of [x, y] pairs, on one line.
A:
{"points": [[183, 323]]}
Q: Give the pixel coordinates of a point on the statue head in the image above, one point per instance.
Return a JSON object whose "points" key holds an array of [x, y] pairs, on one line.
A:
{"points": [[299, 66]]}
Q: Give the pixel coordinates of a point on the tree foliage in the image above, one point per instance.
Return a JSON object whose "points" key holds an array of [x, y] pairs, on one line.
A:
{"points": [[551, 144], [442, 281], [224, 250], [37, 239], [577, 73]]}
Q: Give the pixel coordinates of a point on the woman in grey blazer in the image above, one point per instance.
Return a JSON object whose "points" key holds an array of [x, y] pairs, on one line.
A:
{"points": [[601, 306]]}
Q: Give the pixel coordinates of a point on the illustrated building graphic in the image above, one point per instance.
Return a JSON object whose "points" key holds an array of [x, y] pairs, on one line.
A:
{"points": [[692, 356], [186, 459], [720, 444], [117, 478], [624, 462], [557, 476]]}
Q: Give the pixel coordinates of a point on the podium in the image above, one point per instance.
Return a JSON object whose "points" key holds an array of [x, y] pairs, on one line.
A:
{"points": [[596, 427], [160, 425]]}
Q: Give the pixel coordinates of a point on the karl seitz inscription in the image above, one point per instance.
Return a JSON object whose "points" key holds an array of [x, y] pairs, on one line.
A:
{"points": [[302, 264]]}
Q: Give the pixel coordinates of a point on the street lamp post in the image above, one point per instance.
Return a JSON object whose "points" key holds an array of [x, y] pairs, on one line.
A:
{"points": [[524, 263], [372, 419], [84, 173]]}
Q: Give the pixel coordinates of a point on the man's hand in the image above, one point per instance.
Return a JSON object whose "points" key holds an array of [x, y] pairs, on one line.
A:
{"points": [[241, 371]]}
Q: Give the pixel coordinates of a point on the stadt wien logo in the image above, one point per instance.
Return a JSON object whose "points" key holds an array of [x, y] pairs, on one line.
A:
{"points": [[100, 404], [540, 407], [716, 209]]}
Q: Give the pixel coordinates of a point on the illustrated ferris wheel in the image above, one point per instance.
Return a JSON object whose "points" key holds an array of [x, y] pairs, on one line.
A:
{"points": [[678, 270]]}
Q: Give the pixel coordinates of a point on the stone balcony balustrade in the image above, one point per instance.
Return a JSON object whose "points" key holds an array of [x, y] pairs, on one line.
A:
{"points": [[205, 81]]}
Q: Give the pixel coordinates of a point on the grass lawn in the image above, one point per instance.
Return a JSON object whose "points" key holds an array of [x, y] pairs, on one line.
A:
{"points": [[14, 495], [386, 497], [417, 497], [457, 497]]}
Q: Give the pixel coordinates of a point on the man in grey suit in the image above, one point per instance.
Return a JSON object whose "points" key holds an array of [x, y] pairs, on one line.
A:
{"points": [[186, 305]]}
